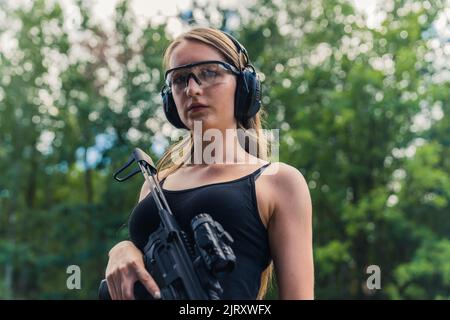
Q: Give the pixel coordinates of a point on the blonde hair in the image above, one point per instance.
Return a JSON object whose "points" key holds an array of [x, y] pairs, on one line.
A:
{"points": [[252, 129]]}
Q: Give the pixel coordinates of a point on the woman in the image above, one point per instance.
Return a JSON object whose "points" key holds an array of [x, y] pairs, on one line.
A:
{"points": [[264, 206]]}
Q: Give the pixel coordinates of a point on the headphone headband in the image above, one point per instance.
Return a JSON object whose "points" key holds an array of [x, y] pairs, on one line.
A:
{"points": [[240, 48]]}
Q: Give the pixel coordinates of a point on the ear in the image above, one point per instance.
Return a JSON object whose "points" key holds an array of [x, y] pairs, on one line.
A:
{"points": [[170, 109]]}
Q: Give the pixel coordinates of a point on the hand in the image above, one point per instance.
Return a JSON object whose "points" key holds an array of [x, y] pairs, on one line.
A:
{"points": [[125, 267]]}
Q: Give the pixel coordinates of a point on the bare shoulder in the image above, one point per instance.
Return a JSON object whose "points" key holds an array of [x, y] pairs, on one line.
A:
{"points": [[285, 176], [145, 189], [288, 187]]}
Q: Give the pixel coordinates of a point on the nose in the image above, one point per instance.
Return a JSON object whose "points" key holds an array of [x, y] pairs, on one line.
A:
{"points": [[193, 89]]}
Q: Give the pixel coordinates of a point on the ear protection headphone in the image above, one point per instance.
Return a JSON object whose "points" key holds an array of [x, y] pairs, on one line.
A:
{"points": [[247, 98]]}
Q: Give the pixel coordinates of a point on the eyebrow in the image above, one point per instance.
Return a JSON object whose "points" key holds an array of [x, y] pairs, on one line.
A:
{"points": [[195, 63]]}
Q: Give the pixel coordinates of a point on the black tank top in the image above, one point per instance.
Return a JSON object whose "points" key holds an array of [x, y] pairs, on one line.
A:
{"points": [[234, 205]]}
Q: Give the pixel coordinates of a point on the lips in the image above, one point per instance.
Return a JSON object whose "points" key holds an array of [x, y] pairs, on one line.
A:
{"points": [[196, 106]]}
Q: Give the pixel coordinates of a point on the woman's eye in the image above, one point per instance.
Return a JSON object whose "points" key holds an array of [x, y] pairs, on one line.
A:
{"points": [[179, 79], [209, 73]]}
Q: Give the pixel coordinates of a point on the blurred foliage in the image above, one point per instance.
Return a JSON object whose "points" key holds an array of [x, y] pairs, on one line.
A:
{"points": [[351, 102]]}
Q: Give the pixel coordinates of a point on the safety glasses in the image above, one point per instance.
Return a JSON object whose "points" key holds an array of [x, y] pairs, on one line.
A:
{"points": [[205, 73]]}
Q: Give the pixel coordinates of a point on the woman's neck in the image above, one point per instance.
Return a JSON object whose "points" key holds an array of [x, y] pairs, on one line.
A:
{"points": [[219, 147]]}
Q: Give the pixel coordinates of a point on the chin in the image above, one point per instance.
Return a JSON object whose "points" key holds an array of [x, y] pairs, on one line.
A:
{"points": [[206, 123]]}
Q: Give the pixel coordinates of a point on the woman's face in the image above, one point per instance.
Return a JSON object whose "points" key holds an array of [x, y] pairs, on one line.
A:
{"points": [[218, 98]]}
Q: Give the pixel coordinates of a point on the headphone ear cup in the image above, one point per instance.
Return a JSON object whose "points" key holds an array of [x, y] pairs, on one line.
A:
{"points": [[240, 99], [254, 97], [247, 100], [170, 110]]}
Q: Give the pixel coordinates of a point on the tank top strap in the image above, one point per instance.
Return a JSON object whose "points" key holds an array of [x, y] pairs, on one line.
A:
{"points": [[162, 182], [258, 172], [254, 175]]}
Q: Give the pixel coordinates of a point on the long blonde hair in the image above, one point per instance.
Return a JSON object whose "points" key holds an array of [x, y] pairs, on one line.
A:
{"points": [[252, 129]]}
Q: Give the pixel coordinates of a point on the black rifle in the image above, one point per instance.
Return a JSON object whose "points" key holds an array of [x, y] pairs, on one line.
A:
{"points": [[183, 270]]}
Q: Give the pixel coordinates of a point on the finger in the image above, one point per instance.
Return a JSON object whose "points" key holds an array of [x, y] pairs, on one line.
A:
{"points": [[118, 285], [128, 290], [148, 282], [111, 288]]}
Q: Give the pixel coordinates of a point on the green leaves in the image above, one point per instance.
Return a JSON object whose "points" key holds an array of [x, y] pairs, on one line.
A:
{"points": [[428, 270], [354, 95]]}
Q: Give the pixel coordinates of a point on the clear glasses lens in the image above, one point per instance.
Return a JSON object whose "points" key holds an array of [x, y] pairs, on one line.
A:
{"points": [[204, 74]]}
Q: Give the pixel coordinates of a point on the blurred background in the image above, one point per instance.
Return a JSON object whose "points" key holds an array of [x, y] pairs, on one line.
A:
{"points": [[359, 90]]}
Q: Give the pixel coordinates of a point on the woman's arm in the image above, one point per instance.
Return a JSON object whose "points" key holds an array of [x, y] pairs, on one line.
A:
{"points": [[290, 234], [126, 266]]}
